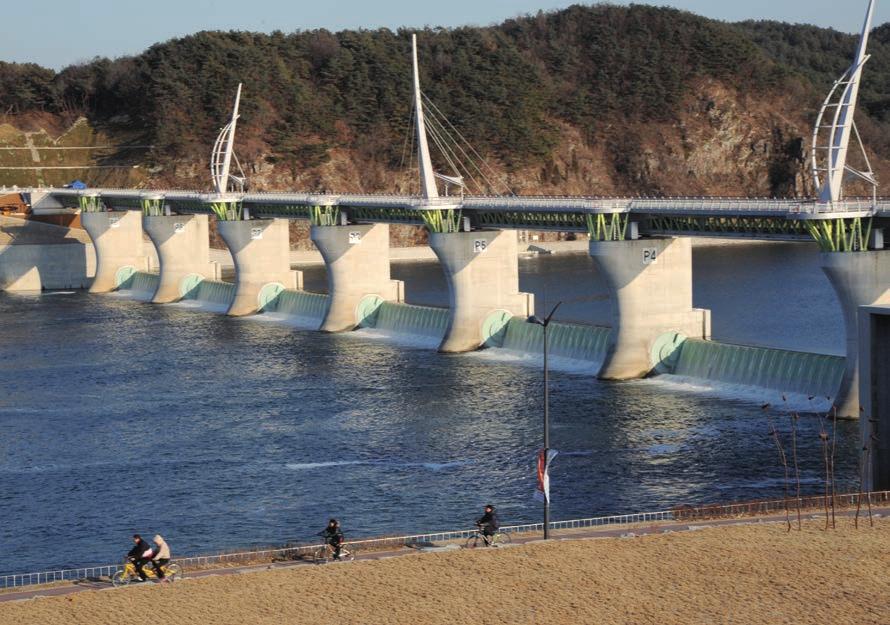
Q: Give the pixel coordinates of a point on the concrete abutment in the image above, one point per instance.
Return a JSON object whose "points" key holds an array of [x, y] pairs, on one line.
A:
{"points": [[482, 271], [183, 245], [261, 251], [117, 239], [358, 266], [650, 287], [858, 279]]}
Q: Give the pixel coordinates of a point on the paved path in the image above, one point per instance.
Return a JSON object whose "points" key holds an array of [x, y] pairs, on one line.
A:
{"points": [[518, 539]]}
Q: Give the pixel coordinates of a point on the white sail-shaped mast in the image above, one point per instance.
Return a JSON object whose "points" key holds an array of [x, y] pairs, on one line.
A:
{"points": [[427, 178], [223, 149], [837, 116]]}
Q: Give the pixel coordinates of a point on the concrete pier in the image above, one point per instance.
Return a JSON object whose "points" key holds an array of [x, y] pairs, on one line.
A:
{"points": [[482, 272], [874, 366], [357, 261], [650, 286], [117, 239], [858, 279], [183, 245], [261, 251]]}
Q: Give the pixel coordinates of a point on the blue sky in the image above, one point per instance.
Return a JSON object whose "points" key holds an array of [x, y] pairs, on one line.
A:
{"points": [[56, 33]]}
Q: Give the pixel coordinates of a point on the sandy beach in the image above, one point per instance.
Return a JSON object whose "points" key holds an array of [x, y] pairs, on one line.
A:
{"points": [[748, 574]]}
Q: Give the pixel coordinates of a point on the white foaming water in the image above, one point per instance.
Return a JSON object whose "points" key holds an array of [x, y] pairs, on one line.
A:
{"points": [[400, 338], [201, 305], [133, 294], [295, 321], [60, 293], [788, 402], [556, 363]]}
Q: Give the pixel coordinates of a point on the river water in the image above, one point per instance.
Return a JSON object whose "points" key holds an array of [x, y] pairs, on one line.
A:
{"points": [[118, 417]]}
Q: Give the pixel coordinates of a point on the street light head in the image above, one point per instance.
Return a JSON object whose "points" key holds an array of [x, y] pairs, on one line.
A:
{"points": [[536, 319]]}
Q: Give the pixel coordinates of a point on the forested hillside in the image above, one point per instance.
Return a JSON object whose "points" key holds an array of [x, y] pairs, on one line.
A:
{"points": [[592, 99]]}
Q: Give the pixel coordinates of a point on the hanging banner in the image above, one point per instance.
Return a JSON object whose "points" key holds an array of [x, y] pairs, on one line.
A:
{"points": [[543, 469]]}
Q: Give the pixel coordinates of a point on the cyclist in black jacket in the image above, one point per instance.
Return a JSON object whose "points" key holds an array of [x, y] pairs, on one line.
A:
{"points": [[140, 554], [488, 523], [333, 536]]}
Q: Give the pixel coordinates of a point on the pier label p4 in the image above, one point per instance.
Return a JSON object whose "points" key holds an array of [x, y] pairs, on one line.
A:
{"points": [[650, 256]]}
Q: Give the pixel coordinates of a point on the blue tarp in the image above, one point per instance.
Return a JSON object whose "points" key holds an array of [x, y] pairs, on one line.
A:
{"points": [[76, 184]]}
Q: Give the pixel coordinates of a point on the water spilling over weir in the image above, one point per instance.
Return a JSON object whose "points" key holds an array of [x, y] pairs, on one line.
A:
{"points": [[212, 294], [782, 371], [785, 371], [576, 342], [407, 319], [302, 306], [140, 285]]}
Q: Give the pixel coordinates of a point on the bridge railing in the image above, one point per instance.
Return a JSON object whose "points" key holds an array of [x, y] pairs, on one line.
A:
{"points": [[540, 204], [715, 205]]}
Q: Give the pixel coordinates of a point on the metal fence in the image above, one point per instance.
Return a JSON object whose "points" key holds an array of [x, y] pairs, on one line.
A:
{"points": [[295, 552]]}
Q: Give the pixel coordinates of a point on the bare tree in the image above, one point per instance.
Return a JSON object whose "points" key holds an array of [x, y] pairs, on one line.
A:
{"points": [[784, 459], [831, 464], [823, 437], [794, 419]]}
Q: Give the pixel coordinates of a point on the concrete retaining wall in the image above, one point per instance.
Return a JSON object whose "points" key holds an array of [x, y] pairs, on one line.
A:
{"points": [[36, 267]]}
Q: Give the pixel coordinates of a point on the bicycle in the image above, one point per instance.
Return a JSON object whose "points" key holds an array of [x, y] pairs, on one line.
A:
{"points": [[478, 539], [325, 553], [172, 571]]}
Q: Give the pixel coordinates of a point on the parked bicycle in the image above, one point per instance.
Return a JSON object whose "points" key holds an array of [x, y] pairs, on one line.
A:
{"points": [[172, 571]]}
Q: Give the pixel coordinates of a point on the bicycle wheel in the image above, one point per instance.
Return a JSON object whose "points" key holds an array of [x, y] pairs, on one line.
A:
{"points": [[173, 571], [347, 555], [474, 541], [320, 556], [120, 578], [501, 539]]}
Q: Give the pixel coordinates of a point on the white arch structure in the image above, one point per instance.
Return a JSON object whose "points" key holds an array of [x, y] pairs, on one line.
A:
{"points": [[835, 128], [224, 151]]}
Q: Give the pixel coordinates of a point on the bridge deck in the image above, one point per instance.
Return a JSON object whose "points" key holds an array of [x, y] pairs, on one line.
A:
{"points": [[787, 219]]}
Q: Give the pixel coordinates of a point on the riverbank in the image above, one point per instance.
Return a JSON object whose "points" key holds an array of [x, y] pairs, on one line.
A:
{"points": [[752, 574]]}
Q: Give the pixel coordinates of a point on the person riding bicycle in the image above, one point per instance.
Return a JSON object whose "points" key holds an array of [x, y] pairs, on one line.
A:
{"points": [[488, 523], [140, 555], [333, 536], [161, 556]]}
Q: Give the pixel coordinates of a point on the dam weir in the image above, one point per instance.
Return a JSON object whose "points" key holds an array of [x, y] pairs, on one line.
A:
{"points": [[801, 373], [572, 346]]}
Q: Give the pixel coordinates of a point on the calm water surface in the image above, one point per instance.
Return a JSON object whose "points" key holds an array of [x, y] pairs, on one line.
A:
{"points": [[119, 417]]}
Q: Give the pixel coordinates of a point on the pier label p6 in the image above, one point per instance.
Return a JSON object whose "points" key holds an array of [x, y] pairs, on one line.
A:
{"points": [[355, 238]]}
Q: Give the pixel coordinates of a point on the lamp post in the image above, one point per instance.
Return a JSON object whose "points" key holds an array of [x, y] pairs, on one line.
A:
{"points": [[545, 323]]}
